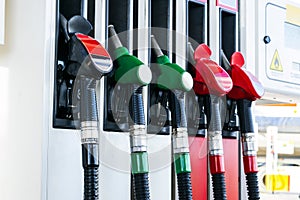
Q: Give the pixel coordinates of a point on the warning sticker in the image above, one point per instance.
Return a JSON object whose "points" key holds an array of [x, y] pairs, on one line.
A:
{"points": [[276, 64]]}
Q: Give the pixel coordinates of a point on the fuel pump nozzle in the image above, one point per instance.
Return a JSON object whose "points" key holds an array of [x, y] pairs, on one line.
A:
{"points": [[246, 88], [133, 73], [87, 62], [201, 97], [211, 79], [176, 81]]}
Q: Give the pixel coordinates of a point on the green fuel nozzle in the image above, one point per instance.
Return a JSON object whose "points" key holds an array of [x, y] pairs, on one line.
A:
{"points": [[130, 69], [172, 75]]}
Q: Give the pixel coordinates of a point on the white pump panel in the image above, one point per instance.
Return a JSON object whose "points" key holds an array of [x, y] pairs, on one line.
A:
{"points": [[278, 47]]}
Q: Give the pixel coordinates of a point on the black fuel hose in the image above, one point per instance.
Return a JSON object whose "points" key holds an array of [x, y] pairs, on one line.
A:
{"points": [[249, 154], [252, 186], [184, 182], [219, 186], [90, 145], [140, 177]]}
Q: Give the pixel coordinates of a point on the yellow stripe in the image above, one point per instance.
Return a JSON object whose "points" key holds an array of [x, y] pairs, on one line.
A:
{"points": [[293, 14]]}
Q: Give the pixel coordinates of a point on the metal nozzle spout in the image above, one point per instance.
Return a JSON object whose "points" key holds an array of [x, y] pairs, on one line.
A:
{"points": [[191, 54], [114, 37], [156, 47], [225, 61]]}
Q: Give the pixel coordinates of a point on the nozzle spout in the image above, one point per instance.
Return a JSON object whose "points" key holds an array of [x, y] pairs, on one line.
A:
{"points": [[114, 37], [191, 54], [156, 47], [225, 61]]}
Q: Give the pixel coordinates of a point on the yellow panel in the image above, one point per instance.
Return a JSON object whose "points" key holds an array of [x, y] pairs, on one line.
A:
{"points": [[277, 182], [293, 14]]}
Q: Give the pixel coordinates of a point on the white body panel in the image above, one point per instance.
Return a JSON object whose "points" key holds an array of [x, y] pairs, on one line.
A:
{"points": [[271, 20]]}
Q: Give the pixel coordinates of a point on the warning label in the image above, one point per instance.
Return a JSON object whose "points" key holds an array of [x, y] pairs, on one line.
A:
{"points": [[276, 64]]}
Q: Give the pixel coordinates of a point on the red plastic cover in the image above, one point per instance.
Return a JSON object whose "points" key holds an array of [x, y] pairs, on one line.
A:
{"points": [[92, 45], [245, 84], [210, 77]]}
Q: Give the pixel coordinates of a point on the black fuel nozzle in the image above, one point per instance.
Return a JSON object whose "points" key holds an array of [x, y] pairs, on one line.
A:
{"points": [[87, 62]]}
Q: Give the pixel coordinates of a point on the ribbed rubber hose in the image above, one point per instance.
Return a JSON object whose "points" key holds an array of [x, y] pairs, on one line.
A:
{"points": [[91, 187], [184, 186], [219, 187], [141, 186], [215, 122], [137, 110], [141, 180], [178, 109], [88, 101], [252, 186]]}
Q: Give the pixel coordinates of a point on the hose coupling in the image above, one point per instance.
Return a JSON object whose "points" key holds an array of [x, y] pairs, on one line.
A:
{"points": [[249, 144], [180, 140], [215, 143], [138, 138], [89, 132]]}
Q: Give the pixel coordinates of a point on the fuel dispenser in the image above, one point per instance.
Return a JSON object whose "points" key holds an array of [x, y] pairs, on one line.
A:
{"points": [[212, 80], [175, 81], [246, 88], [86, 62], [116, 122], [159, 114], [67, 182], [79, 63], [132, 74], [224, 36], [115, 149], [198, 118]]}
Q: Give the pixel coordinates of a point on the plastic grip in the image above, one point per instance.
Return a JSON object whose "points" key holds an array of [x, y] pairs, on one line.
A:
{"points": [[216, 163]]}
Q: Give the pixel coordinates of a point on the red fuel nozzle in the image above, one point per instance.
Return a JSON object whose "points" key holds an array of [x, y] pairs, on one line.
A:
{"points": [[245, 84], [210, 78], [246, 88]]}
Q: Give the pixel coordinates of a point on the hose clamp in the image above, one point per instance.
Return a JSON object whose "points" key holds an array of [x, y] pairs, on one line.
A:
{"points": [[138, 138], [180, 140], [215, 143], [249, 144], [89, 132]]}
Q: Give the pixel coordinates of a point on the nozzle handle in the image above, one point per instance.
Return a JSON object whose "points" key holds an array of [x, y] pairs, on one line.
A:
{"points": [[156, 47], [114, 37]]}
